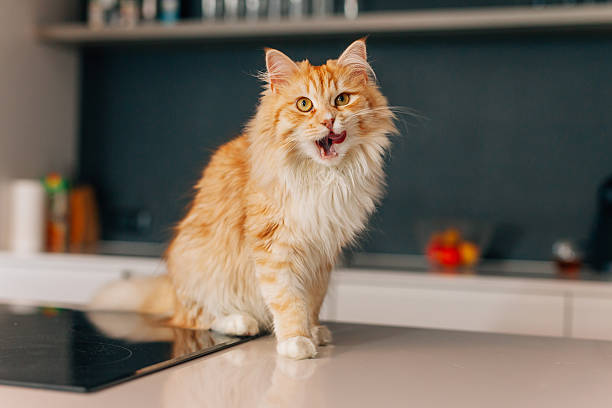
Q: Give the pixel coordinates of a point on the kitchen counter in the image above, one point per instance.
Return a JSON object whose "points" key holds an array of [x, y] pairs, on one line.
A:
{"points": [[370, 366]]}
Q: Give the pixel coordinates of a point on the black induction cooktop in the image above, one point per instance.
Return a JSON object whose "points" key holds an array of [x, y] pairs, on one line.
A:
{"points": [[72, 350]]}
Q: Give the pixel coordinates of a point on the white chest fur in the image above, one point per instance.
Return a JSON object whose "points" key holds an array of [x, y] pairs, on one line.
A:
{"points": [[329, 206]]}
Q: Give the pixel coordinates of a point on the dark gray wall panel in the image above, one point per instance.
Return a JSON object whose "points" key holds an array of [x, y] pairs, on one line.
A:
{"points": [[517, 131]]}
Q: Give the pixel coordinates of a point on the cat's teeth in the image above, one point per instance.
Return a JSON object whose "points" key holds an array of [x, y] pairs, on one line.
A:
{"points": [[329, 153], [326, 148]]}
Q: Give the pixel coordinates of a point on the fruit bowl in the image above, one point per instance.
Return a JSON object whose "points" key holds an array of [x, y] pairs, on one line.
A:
{"points": [[453, 243]]}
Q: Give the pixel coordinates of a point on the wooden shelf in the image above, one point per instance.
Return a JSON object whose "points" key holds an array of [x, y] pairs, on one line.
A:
{"points": [[477, 20]]}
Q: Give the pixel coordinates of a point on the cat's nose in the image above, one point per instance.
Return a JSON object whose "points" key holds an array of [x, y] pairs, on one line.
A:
{"points": [[328, 123]]}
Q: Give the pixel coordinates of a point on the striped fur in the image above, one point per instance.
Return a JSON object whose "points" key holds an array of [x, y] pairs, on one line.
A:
{"points": [[271, 215]]}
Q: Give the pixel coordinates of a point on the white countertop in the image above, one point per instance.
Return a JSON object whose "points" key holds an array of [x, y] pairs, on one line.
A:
{"points": [[370, 366]]}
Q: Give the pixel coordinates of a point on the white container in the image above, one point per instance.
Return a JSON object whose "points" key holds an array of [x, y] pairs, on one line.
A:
{"points": [[351, 9], [27, 219]]}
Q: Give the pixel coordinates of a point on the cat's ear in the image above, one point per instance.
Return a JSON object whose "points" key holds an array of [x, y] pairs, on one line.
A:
{"points": [[355, 57], [280, 68]]}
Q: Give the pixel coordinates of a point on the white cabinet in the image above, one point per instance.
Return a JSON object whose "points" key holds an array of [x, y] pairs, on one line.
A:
{"points": [[60, 278], [592, 318], [450, 309], [547, 307], [67, 286]]}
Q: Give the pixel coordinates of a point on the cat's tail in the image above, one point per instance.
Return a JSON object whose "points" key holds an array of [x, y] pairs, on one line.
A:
{"points": [[151, 295]]}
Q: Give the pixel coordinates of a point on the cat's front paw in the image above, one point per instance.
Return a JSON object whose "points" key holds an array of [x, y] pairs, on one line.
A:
{"points": [[236, 325], [321, 335], [297, 348]]}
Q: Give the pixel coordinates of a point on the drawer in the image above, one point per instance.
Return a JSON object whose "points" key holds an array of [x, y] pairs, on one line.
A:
{"points": [[63, 286], [592, 318], [502, 312]]}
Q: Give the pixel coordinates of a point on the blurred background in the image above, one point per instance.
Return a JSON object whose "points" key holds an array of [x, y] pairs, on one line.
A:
{"points": [[506, 125], [112, 108]]}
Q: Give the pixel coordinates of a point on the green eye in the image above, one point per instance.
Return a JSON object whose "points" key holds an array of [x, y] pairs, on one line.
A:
{"points": [[342, 99], [304, 104]]}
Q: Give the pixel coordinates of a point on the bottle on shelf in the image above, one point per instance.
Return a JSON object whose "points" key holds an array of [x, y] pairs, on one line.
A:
{"points": [[169, 12], [351, 9], [148, 10], [128, 13], [297, 9]]}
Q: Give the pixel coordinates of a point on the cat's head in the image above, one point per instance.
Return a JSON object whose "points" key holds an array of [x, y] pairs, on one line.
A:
{"points": [[322, 113]]}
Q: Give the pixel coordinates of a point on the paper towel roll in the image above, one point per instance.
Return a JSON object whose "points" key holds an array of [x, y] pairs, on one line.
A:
{"points": [[27, 216]]}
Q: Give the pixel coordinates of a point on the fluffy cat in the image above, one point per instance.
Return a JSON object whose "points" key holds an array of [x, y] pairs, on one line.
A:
{"points": [[276, 205]]}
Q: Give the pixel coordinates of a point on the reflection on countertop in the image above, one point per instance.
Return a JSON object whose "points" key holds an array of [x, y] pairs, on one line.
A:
{"points": [[370, 366], [493, 268]]}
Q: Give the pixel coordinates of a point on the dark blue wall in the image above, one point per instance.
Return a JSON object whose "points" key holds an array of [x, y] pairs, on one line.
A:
{"points": [[518, 131]]}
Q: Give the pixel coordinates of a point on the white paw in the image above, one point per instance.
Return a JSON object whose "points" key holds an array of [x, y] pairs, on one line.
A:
{"points": [[321, 335], [297, 348], [236, 325]]}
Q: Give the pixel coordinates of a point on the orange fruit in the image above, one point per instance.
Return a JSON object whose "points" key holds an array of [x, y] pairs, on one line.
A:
{"points": [[469, 253], [451, 237]]}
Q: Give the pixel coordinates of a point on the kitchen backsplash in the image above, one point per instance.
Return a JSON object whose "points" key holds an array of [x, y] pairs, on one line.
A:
{"points": [[511, 130]]}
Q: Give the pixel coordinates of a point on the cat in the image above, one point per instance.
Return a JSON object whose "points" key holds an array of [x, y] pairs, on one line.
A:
{"points": [[276, 205]]}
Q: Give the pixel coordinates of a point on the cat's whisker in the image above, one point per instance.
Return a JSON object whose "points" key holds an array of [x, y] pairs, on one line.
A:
{"points": [[397, 113]]}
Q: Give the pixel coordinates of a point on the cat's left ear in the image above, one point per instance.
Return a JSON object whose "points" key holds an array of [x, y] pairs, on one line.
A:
{"points": [[280, 68], [355, 57]]}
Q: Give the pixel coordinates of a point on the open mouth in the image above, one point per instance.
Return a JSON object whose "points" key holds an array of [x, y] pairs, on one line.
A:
{"points": [[326, 144]]}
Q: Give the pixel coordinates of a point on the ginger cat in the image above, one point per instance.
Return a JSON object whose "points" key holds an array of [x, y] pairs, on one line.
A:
{"points": [[276, 205]]}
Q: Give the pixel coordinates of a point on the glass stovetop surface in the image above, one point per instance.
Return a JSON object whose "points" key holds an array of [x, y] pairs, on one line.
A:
{"points": [[73, 350]]}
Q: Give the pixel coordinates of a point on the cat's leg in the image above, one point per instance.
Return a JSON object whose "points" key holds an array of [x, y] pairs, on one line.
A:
{"points": [[287, 303], [320, 334], [237, 324], [189, 315]]}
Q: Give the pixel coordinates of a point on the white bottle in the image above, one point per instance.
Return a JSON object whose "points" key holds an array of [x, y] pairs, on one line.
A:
{"points": [[27, 216], [351, 9]]}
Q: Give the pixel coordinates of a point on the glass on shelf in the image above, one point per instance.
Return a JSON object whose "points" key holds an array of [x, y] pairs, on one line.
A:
{"points": [[253, 9], [297, 9], [231, 9], [210, 9], [103, 13], [169, 11], [322, 8], [275, 9]]}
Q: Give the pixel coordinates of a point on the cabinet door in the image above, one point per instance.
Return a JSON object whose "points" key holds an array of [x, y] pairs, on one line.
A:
{"points": [[501, 312], [61, 286], [592, 318]]}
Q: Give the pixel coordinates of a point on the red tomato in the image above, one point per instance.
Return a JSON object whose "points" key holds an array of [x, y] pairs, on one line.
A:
{"points": [[432, 251], [449, 256]]}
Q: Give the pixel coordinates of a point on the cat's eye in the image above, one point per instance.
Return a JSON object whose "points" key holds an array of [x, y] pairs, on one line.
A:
{"points": [[304, 104], [342, 99]]}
